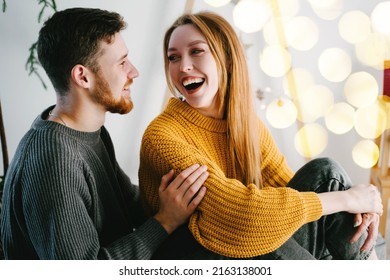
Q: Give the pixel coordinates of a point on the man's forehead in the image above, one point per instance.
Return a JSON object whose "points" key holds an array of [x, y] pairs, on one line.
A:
{"points": [[114, 50]]}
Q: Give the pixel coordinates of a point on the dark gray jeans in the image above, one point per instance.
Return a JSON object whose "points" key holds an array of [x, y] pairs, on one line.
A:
{"points": [[327, 238]]}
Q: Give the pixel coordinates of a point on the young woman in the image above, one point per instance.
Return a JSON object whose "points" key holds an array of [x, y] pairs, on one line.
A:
{"points": [[255, 206]]}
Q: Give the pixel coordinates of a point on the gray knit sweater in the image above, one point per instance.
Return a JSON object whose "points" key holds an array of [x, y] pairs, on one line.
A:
{"points": [[65, 197]]}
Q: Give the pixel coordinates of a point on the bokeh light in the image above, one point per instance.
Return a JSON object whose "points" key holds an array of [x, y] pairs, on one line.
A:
{"points": [[365, 153], [251, 15], [288, 8], [340, 118], [373, 51], [298, 78], [217, 3], [371, 121], [380, 18], [281, 113], [301, 33], [384, 102], [335, 64], [271, 33], [311, 140], [361, 89], [327, 9], [323, 4], [314, 103], [354, 26], [275, 61]]}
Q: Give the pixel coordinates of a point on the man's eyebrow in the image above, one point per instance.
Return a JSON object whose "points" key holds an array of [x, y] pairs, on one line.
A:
{"points": [[123, 57]]}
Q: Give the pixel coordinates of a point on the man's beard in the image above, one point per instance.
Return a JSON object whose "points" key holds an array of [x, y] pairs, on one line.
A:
{"points": [[104, 96]]}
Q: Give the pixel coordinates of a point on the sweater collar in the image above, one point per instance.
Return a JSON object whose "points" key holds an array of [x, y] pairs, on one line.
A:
{"points": [[87, 137], [176, 106]]}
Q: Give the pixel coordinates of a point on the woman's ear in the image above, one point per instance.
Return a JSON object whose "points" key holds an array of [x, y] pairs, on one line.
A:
{"points": [[81, 76]]}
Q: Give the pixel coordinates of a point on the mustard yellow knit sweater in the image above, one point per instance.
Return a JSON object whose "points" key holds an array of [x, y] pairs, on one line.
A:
{"points": [[233, 219]]}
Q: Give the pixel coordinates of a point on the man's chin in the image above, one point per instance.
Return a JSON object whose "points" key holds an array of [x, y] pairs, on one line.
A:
{"points": [[128, 110], [123, 109]]}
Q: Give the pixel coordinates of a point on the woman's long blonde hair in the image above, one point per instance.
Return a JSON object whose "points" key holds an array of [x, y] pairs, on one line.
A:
{"points": [[235, 97]]}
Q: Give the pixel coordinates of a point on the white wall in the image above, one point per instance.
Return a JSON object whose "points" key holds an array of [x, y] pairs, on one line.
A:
{"points": [[23, 96]]}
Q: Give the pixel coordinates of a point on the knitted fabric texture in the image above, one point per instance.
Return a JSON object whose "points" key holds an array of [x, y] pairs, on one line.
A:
{"points": [[65, 197], [233, 219]]}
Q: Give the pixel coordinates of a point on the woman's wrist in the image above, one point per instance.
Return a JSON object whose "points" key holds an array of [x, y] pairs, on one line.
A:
{"points": [[333, 202]]}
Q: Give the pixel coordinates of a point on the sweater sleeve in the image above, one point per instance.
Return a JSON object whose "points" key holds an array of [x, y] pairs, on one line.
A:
{"points": [[272, 159], [57, 203], [233, 220]]}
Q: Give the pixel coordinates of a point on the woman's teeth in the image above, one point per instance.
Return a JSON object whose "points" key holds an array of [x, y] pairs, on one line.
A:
{"points": [[194, 83]]}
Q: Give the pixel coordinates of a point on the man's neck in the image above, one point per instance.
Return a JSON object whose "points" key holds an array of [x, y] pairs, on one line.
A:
{"points": [[82, 116]]}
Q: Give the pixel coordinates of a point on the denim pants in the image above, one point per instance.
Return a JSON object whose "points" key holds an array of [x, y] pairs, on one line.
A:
{"points": [[327, 238]]}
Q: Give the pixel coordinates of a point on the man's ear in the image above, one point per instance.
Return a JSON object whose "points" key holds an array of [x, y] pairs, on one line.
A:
{"points": [[81, 75]]}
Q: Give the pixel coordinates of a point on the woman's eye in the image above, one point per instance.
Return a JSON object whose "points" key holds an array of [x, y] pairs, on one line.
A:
{"points": [[197, 51], [172, 58]]}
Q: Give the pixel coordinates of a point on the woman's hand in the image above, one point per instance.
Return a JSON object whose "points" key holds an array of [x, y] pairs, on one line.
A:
{"points": [[366, 222], [360, 198], [364, 199]]}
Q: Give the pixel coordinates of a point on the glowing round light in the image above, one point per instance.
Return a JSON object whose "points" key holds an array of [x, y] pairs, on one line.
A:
{"points": [[270, 33], [371, 121], [251, 15], [299, 78], [380, 18], [275, 61], [361, 89], [288, 8], [311, 140], [302, 33], [335, 64], [365, 153], [281, 113], [354, 26], [384, 102], [340, 118], [327, 9], [324, 4], [314, 103], [216, 3], [373, 51]]}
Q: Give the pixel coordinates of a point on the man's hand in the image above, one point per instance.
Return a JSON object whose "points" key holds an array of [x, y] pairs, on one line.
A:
{"points": [[180, 197]]}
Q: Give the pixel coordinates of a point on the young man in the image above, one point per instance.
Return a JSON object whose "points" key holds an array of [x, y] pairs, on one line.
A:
{"points": [[65, 196]]}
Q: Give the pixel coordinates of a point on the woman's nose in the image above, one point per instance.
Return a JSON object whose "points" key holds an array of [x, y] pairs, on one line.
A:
{"points": [[186, 64]]}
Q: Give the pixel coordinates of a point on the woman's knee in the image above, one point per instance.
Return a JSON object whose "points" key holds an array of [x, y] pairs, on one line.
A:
{"points": [[318, 172], [324, 164]]}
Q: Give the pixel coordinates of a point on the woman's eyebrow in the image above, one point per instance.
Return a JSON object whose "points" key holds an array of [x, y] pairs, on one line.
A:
{"points": [[190, 44]]}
